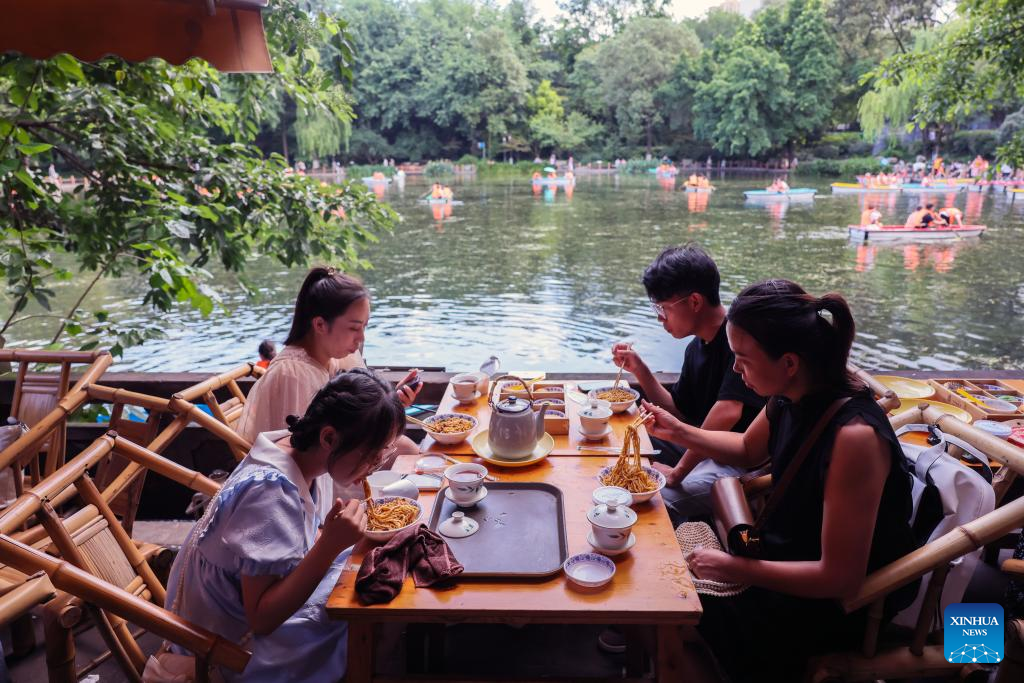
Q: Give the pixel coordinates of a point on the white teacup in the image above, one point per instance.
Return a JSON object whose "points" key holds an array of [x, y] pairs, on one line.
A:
{"points": [[594, 419], [381, 478], [464, 386], [465, 480]]}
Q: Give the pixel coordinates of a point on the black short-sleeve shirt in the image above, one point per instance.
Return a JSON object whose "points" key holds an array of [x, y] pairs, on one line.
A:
{"points": [[707, 377]]}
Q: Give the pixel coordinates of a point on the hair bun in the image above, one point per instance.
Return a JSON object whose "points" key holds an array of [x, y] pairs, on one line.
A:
{"points": [[291, 421]]}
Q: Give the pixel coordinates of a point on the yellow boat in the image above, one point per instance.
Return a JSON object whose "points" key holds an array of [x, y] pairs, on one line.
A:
{"points": [[857, 188]]}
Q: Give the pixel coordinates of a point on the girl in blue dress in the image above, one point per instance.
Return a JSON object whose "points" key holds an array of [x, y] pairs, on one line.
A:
{"points": [[259, 566]]}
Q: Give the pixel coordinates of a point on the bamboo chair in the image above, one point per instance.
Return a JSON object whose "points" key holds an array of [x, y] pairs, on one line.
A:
{"points": [[227, 412], [43, 402], [93, 539], [918, 658]]}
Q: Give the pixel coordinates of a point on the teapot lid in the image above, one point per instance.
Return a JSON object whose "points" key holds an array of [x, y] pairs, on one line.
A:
{"points": [[513, 404], [612, 516]]}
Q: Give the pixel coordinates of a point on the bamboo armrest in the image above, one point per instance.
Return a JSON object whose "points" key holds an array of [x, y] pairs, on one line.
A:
{"points": [[34, 590], [1014, 568], [71, 579], [941, 551]]}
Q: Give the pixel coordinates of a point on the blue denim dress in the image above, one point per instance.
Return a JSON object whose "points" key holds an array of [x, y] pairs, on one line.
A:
{"points": [[263, 522]]}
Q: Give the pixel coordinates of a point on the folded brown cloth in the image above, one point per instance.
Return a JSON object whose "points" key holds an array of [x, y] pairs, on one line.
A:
{"points": [[418, 550]]}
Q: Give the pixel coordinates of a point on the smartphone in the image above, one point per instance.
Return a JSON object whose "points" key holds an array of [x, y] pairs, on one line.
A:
{"points": [[413, 383]]}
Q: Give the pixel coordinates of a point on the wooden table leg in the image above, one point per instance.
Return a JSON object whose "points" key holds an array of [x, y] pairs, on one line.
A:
{"points": [[673, 663], [360, 652]]}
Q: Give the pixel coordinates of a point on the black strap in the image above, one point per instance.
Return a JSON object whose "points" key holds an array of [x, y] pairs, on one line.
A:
{"points": [[794, 466]]}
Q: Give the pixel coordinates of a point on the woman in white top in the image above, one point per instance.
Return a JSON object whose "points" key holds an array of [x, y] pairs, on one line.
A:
{"points": [[328, 327]]}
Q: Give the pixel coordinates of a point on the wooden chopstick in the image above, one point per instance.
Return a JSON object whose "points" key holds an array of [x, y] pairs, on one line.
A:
{"points": [[421, 423], [369, 496], [619, 375]]}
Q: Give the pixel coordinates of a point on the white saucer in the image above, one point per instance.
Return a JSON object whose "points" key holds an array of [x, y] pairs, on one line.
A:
{"points": [[468, 504], [467, 401], [594, 437], [608, 551]]}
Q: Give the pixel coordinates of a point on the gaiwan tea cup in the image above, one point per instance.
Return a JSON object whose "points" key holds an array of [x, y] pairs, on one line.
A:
{"points": [[612, 524], [465, 480]]}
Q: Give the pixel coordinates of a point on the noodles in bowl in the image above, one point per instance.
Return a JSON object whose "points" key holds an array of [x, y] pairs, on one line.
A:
{"points": [[451, 428], [389, 515], [629, 473], [621, 398]]}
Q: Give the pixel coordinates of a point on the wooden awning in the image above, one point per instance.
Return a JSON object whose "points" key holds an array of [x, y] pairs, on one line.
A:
{"points": [[226, 33]]}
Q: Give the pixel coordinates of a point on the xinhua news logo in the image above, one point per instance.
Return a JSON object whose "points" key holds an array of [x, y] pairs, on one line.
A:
{"points": [[973, 633]]}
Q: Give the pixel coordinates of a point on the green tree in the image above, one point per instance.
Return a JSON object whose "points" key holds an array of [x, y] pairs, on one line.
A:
{"points": [[813, 60], [743, 109], [170, 177], [973, 64], [633, 65], [717, 23]]}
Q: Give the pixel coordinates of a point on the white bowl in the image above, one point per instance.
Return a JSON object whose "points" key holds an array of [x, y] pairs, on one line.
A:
{"points": [[451, 437], [639, 497], [617, 406], [381, 536], [589, 570]]}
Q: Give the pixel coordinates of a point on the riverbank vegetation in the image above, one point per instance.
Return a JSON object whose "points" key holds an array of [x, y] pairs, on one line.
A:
{"points": [[607, 80]]}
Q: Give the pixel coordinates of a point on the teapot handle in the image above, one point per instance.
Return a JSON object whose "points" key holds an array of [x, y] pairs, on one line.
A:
{"points": [[494, 383]]}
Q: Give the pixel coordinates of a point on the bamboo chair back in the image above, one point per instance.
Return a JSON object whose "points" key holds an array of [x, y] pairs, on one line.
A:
{"points": [[226, 412], [935, 557], [94, 541], [126, 505], [43, 402]]}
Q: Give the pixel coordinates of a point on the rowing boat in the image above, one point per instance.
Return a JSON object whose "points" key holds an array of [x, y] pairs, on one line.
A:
{"points": [[918, 188], [857, 188], [772, 195], [690, 188], [376, 181], [893, 233]]}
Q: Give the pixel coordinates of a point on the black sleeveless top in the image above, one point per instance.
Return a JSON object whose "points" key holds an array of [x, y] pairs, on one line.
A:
{"points": [[793, 531]]}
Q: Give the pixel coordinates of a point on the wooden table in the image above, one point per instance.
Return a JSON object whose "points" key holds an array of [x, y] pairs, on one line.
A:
{"points": [[651, 587], [565, 444]]}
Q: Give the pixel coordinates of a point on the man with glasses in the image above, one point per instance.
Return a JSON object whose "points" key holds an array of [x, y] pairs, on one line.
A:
{"points": [[682, 284]]}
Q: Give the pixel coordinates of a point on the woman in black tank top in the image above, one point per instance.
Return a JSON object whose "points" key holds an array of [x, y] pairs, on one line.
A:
{"points": [[845, 513]]}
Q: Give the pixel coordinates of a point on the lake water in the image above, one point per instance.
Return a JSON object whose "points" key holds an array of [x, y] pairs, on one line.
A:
{"points": [[550, 282]]}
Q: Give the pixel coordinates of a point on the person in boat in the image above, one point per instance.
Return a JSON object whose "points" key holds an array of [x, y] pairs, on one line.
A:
{"points": [[537, 175], [846, 512], [683, 286], [928, 216], [950, 215], [327, 332], [914, 219], [870, 216], [446, 193], [938, 169], [693, 180], [267, 350], [259, 566], [436, 192], [378, 175]]}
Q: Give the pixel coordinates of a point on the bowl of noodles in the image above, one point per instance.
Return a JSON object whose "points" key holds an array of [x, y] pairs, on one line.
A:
{"points": [[642, 483], [451, 428], [629, 472], [621, 397], [389, 515]]}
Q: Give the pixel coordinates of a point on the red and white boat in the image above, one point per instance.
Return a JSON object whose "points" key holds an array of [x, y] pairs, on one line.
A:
{"points": [[893, 233]]}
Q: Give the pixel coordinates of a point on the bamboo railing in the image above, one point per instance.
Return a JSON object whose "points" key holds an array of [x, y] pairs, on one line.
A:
{"points": [[885, 396]]}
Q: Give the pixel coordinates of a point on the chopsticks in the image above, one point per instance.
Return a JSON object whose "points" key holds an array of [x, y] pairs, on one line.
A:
{"points": [[618, 376], [369, 497], [421, 423], [642, 418]]}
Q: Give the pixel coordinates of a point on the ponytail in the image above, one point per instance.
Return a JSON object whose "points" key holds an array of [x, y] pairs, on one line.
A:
{"points": [[325, 293], [783, 318]]}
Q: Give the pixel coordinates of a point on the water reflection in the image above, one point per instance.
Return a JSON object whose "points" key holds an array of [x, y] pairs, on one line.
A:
{"points": [[553, 284]]}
